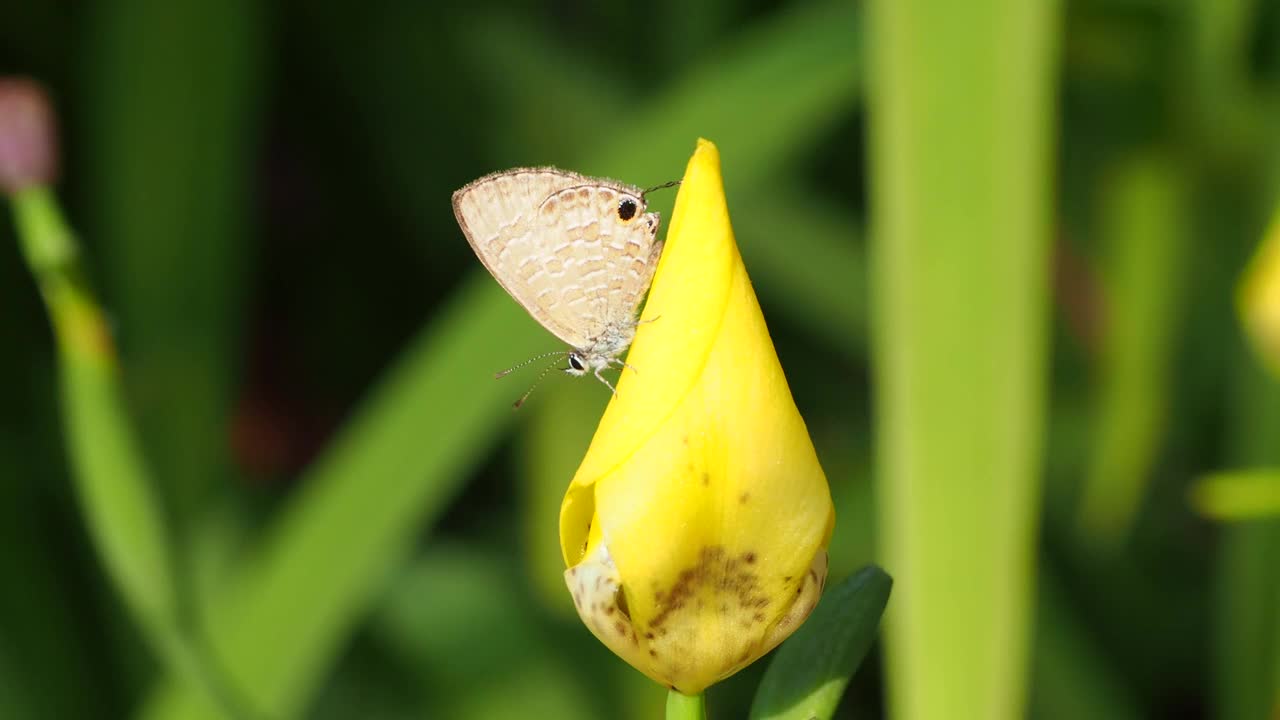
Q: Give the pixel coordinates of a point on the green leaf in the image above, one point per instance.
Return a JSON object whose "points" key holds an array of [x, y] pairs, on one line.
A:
{"points": [[552, 444], [808, 674], [392, 470]]}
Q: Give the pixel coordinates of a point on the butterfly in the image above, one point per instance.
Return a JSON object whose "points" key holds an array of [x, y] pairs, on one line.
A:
{"points": [[577, 252]]}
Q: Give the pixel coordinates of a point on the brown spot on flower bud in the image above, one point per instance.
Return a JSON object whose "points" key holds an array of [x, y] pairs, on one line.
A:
{"points": [[28, 139]]}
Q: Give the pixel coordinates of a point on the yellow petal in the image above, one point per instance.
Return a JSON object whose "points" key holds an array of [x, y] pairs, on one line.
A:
{"points": [[695, 529], [1259, 298]]}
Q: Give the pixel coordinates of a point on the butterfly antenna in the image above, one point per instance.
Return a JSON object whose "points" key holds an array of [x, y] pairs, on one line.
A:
{"points": [[533, 359], [529, 392], [663, 186]]}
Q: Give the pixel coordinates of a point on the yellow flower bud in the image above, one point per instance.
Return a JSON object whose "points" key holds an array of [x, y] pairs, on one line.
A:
{"points": [[1259, 298], [695, 530]]}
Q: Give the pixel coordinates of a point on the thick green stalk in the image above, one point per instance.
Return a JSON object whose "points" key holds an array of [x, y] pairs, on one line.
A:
{"points": [[961, 108]]}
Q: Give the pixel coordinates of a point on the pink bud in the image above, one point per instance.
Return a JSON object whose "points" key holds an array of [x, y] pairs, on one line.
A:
{"points": [[28, 139]]}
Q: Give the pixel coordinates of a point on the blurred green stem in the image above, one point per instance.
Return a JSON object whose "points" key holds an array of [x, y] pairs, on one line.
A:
{"points": [[116, 492], [686, 707], [1142, 226], [960, 139], [1246, 633], [1247, 630], [1226, 116], [124, 515], [1238, 495]]}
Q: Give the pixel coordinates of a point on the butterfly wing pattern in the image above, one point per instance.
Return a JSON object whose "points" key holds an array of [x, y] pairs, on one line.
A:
{"points": [[578, 253]]}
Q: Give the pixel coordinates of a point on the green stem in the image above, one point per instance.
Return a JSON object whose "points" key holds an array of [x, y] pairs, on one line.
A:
{"points": [[686, 707], [114, 487], [116, 493], [47, 244]]}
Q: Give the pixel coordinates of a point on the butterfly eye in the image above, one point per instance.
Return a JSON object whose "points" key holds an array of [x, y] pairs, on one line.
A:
{"points": [[626, 209], [576, 364]]}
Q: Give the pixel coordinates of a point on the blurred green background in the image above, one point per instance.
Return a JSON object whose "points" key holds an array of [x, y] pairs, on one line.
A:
{"points": [[307, 342]]}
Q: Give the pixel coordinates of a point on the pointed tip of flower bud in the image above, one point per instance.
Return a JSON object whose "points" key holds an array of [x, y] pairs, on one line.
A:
{"points": [[695, 529], [28, 139]]}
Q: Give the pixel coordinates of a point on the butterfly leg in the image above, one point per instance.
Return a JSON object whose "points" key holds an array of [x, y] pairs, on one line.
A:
{"points": [[606, 382], [626, 365]]}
